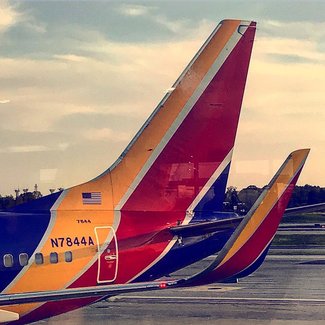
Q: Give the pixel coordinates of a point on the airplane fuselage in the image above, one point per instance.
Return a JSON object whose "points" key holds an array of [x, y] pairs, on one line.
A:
{"points": [[42, 251]]}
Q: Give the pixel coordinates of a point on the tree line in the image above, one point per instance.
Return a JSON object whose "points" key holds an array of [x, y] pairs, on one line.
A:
{"points": [[239, 201], [9, 201]]}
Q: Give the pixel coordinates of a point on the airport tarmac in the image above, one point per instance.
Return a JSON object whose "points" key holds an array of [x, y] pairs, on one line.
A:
{"points": [[287, 289]]}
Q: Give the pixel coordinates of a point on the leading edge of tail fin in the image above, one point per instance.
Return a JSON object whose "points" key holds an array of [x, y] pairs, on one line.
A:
{"points": [[187, 141], [247, 247]]}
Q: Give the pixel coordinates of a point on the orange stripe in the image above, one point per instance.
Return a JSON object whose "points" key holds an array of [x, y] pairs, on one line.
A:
{"points": [[268, 202]]}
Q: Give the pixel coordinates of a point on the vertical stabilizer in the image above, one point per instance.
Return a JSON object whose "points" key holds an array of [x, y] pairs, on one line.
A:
{"points": [[186, 145]]}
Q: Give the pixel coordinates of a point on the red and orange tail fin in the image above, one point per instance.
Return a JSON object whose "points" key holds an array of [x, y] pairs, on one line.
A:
{"points": [[188, 140], [246, 248]]}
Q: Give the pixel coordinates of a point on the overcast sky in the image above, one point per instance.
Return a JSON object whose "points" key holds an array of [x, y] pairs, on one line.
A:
{"points": [[78, 79]]}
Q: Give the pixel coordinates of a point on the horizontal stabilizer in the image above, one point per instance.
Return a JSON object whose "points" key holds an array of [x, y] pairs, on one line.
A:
{"points": [[77, 293], [306, 209], [248, 245], [201, 228]]}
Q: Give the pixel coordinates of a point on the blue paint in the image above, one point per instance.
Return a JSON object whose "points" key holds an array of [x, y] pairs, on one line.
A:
{"points": [[212, 201], [191, 250], [21, 230], [43, 204], [255, 265]]}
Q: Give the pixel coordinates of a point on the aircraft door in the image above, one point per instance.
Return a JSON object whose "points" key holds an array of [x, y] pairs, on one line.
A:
{"points": [[107, 254]]}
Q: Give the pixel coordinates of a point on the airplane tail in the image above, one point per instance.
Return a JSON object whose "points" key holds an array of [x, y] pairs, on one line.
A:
{"points": [[246, 249], [185, 146], [182, 151]]}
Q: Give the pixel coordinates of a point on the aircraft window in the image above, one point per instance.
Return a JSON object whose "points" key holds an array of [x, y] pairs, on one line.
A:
{"points": [[68, 256], [54, 258], [8, 260], [39, 258], [23, 259]]}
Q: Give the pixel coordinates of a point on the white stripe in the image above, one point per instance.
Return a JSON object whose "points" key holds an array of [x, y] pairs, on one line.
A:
{"points": [[207, 186], [165, 251], [230, 45]]}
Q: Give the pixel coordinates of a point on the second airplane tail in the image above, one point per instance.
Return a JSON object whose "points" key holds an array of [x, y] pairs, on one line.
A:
{"points": [[246, 249]]}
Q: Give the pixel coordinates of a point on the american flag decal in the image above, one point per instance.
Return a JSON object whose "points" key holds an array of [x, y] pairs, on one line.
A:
{"points": [[92, 198]]}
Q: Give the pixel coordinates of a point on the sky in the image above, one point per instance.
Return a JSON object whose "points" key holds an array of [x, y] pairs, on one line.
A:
{"points": [[79, 78]]}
